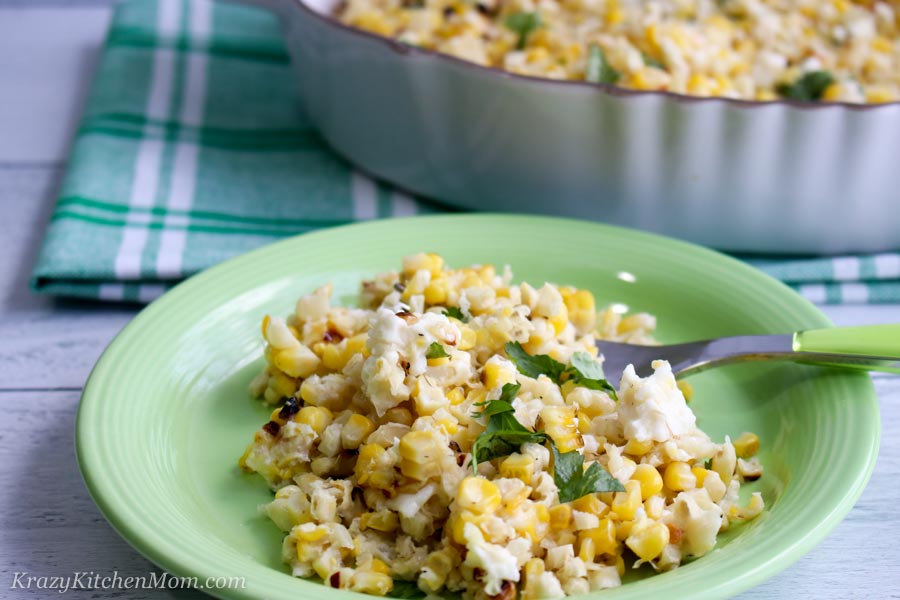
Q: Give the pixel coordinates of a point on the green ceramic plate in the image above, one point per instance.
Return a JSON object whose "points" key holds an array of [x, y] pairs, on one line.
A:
{"points": [[165, 414]]}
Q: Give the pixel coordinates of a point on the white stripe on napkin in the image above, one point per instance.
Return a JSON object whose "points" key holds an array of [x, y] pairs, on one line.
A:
{"points": [[814, 292], [172, 242], [149, 154], [402, 205], [854, 293], [887, 266], [364, 197], [845, 268]]}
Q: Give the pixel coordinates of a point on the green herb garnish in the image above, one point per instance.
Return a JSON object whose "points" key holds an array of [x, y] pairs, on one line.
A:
{"points": [[405, 589], [598, 69], [455, 312], [652, 62], [435, 350], [584, 371], [503, 434], [523, 23], [574, 481], [808, 88]]}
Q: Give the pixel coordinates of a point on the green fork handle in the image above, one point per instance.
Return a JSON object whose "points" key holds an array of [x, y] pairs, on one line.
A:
{"points": [[882, 341]]}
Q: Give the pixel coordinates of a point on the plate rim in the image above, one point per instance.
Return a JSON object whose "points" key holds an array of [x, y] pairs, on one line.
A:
{"points": [[88, 461]]}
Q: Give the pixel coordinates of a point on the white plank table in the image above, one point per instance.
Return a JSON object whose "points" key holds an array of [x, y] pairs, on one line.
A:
{"points": [[48, 524]]}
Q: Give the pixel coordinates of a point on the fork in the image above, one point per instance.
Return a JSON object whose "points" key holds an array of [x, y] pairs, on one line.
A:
{"points": [[869, 347]]}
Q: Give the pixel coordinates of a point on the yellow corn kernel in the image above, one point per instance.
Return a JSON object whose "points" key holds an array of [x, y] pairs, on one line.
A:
{"points": [[584, 421], [467, 338], [430, 262], [298, 361], [649, 541], [378, 566], [436, 292], [586, 550], [560, 320], [476, 396], [398, 415], [635, 447], [331, 355], [282, 385], [560, 424], [626, 503], [678, 477], [518, 466], [604, 537], [438, 362], [623, 529], [478, 495], [355, 431], [687, 390], [650, 480], [383, 520], [746, 445], [700, 473], [276, 416], [542, 512], [367, 582], [374, 467], [560, 517], [420, 451], [654, 506], [435, 571], [832, 92], [592, 504], [495, 376], [614, 16], [455, 396], [582, 309], [317, 417], [309, 532]]}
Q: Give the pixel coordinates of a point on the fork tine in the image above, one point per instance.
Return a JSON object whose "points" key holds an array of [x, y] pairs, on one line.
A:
{"points": [[617, 356]]}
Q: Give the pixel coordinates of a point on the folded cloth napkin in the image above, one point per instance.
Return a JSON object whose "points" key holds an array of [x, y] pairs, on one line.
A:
{"points": [[192, 150]]}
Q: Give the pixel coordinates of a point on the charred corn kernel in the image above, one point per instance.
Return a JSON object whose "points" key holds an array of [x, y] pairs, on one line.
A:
{"points": [[700, 474], [650, 480], [383, 520], [455, 396], [436, 292], [478, 495], [420, 452], [355, 431], [678, 477], [367, 582], [317, 417], [430, 262], [592, 504], [518, 466], [687, 390], [495, 376], [560, 517], [276, 416], [467, 338], [604, 537], [635, 447], [626, 503], [374, 467], [648, 541], [746, 445], [560, 424]]}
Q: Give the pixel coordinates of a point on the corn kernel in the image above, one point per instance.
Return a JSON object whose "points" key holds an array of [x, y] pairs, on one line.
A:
{"points": [[310, 532], [317, 417], [746, 445], [626, 503], [417, 262], [635, 447], [649, 478], [478, 495], [560, 424], [455, 396], [586, 550], [495, 376], [604, 537], [467, 338], [591, 504], [581, 307], [518, 466], [420, 451], [374, 467], [355, 431], [700, 473], [687, 390], [375, 584], [383, 520], [560, 517], [678, 477], [649, 541], [298, 361], [379, 566], [436, 292]]}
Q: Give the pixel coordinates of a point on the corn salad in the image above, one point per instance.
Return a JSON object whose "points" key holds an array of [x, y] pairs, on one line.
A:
{"points": [[814, 50], [369, 447]]}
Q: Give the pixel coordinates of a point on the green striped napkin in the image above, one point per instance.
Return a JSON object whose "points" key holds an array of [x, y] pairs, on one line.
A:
{"points": [[192, 150]]}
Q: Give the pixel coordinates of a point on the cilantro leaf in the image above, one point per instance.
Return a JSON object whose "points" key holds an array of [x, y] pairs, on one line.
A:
{"points": [[652, 62], [573, 481], [598, 69], [405, 589], [455, 312], [523, 23], [808, 87], [503, 435], [435, 350], [532, 366], [586, 366]]}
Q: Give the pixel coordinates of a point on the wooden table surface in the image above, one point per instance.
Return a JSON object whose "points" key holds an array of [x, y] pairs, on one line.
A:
{"points": [[48, 524]]}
